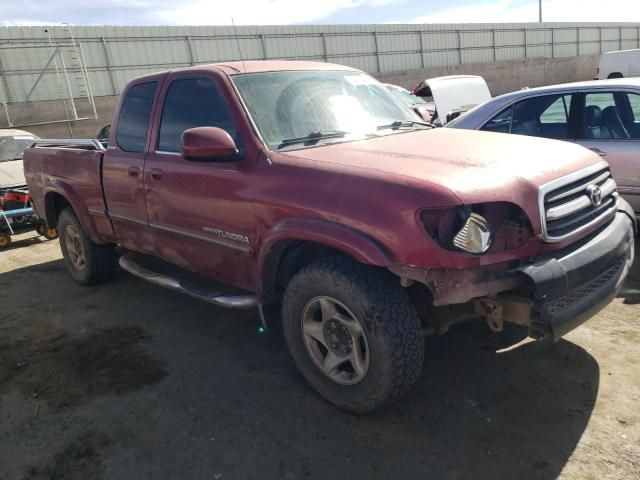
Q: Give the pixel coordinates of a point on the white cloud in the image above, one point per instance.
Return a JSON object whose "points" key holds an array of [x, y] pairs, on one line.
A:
{"points": [[552, 11]]}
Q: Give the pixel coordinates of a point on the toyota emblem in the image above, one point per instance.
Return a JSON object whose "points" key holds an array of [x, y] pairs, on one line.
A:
{"points": [[595, 194]]}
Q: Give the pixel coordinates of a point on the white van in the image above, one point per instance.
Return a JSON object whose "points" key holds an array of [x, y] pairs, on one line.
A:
{"points": [[620, 64]]}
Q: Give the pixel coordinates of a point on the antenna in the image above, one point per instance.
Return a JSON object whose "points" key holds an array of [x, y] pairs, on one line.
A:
{"points": [[235, 34], [253, 103]]}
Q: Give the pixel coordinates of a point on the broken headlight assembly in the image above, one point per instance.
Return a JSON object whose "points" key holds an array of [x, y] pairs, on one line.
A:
{"points": [[480, 228]]}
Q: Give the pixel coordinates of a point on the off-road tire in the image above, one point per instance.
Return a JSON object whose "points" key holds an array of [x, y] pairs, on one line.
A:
{"points": [[100, 260], [390, 322]]}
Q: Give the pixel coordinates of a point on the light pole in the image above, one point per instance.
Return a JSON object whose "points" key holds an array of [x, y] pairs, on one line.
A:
{"points": [[540, 11]]}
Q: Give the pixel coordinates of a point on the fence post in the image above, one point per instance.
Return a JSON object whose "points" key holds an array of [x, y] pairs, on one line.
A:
{"points": [[578, 40], [421, 50], [459, 46], [325, 56], [553, 42], [375, 41], [5, 94], [524, 31], [495, 48], [263, 43], [600, 38], [187, 39], [620, 37], [107, 59]]}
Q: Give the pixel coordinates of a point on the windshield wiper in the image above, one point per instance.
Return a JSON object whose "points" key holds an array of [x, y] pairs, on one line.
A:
{"points": [[403, 123], [314, 137]]}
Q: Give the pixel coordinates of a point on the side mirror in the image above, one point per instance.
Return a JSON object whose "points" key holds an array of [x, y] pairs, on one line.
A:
{"points": [[207, 143]]}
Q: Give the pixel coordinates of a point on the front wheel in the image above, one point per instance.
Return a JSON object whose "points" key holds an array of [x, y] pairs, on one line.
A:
{"points": [[88, 262], [352, 333]]}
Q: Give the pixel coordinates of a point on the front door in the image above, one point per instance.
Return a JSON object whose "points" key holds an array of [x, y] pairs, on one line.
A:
{"points": [[201, 212], [611, 128]]}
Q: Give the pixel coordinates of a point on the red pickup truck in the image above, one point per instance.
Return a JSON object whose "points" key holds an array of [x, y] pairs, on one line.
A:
{"points": [[309, 187]]}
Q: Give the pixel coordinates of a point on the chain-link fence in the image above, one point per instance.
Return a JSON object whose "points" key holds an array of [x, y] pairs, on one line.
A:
{"points": [[43, 84]]}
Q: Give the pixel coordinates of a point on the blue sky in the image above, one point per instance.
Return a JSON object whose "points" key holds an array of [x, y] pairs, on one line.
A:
{"points": [[219, 12]]}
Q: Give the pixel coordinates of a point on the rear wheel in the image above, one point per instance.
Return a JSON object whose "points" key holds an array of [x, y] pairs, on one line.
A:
{"points": [[88, 262], [352, 333]]}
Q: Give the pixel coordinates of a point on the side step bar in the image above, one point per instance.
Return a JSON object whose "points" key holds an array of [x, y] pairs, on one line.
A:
{"points": [[128, 263]]}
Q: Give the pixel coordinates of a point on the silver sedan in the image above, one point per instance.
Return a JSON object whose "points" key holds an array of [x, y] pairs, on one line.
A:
{"points": [[603, 116]]}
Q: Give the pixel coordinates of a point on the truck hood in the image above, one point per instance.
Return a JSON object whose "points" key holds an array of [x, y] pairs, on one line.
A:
{"points": [[11, 173], [475, 166]]}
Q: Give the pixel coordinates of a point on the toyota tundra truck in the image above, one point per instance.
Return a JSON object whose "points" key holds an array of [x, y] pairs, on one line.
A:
{"points": [[309, 192]]}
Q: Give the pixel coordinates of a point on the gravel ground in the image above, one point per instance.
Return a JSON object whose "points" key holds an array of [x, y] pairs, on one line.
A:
{"points": [[126, 380]]}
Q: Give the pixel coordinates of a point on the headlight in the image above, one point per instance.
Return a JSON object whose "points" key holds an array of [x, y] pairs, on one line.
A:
{"points": [[480, 228], [475, 236]]}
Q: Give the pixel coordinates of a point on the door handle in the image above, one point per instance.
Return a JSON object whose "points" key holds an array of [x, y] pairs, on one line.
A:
{"points": [[156, 173], [598, 151], [133, 171]]}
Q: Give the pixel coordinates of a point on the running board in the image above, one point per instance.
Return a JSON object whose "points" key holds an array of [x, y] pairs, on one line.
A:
{"points": [[128, 263]]}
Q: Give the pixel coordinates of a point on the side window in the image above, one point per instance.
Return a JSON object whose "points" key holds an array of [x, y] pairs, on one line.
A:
{"points": [[501, 123], [558, 111], [133, 122], [612, 116], [189, 103]]}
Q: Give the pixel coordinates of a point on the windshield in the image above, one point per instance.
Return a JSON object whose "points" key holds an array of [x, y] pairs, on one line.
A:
{"points": [[11, 148], [293, 109]]}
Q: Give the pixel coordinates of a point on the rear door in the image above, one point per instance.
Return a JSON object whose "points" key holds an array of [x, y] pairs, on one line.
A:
{"points": [[201, 212], [610, 126], [123, 166]]}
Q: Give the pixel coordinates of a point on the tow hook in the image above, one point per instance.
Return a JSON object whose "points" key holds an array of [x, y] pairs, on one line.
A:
{"points": [[503, 308]]}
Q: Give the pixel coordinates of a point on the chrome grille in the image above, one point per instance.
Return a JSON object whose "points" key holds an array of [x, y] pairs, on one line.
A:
{"points": [[576, 202]]}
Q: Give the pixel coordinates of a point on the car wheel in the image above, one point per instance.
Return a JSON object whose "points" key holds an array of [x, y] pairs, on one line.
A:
{"points": [[5, 240], [352, 333], [615, 75], [88, 262]]}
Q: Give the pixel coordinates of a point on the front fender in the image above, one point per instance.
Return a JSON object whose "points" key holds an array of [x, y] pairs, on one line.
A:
{"points": [[357, 245]]}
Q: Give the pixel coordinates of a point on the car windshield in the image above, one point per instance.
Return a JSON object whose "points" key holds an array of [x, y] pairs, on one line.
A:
{"points": [[294, 109], [12, 147]]}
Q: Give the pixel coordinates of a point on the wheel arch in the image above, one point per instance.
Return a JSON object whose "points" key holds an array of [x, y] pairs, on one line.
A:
{"points": [[295, 243], [62, 196]]}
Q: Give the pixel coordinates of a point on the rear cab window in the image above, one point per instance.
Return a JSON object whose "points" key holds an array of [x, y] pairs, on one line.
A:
{"points": [[135, 113]]}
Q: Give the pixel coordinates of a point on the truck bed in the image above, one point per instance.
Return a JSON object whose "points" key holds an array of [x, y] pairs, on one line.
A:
{"points": [[72, 168]]}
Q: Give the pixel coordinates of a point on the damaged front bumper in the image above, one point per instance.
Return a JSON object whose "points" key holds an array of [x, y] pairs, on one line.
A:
{"points": [[572, 286], [551, 295]]}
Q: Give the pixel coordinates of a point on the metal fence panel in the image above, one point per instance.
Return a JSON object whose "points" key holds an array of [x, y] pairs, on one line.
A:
{"points": [[114, 55]]}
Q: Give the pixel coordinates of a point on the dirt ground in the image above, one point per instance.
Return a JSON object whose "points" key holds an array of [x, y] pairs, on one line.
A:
{"points": [[126, 380]]}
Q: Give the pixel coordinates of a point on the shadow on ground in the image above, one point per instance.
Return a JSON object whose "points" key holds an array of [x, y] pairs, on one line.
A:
{"points": [[631, 290], [157, 385]]}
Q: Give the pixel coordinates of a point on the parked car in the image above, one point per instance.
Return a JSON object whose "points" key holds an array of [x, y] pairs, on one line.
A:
{"points": [[12, 145], [417, 104], [453, 95], [311, 190], [603, 116], [620, 64]]}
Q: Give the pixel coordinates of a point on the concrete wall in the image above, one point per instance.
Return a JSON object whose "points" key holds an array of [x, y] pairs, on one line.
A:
{"points": [[501, 77]]}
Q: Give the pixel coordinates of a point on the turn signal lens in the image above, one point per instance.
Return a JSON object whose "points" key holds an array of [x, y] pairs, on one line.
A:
{"points": [[475, 236]]}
